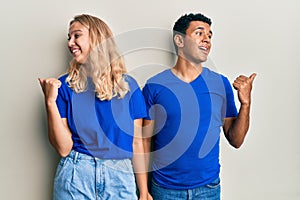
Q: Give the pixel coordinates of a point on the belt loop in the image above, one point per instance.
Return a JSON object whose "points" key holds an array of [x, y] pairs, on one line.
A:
{"points": [[75, 157]]}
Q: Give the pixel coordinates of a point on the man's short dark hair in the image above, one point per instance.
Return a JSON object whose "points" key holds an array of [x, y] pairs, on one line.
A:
{"points": [[182, 24]]}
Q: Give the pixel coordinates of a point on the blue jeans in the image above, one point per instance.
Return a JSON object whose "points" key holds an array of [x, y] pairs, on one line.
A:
{"points": [[208, 192], [80, 176]]}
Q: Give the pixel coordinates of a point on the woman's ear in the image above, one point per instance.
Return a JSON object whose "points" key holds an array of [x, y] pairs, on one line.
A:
{"points": [[178, 40]]}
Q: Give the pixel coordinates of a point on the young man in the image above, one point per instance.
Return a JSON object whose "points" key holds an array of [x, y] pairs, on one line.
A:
{"points": [[187, 105]]}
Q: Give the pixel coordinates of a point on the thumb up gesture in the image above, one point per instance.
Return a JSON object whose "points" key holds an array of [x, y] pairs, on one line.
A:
{"points": [[50, 88], [243, 85]]}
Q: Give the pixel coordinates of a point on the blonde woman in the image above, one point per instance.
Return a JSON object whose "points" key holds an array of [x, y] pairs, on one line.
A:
{"points": [[94, 115]]}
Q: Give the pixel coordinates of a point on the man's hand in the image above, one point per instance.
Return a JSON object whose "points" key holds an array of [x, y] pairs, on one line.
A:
{"points": [[243, 85]]}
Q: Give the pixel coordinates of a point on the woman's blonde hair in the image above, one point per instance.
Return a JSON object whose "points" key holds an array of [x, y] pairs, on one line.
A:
{"points": [[106, 65]]}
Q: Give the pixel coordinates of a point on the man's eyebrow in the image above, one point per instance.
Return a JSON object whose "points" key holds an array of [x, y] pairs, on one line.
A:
{"points": [[202, 28]]}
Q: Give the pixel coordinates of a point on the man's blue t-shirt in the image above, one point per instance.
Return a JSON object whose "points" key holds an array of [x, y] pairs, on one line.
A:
{"points": [[102, 129], [188, 117]]}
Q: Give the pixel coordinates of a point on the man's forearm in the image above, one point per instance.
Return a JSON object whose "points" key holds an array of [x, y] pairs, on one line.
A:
{"points": [[239, 127]]}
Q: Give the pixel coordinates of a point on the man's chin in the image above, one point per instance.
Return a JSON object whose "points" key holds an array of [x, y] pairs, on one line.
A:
{"points": [[204, 59]]}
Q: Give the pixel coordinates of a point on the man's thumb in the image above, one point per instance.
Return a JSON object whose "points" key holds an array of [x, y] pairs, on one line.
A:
{"points": [[252, 77]]}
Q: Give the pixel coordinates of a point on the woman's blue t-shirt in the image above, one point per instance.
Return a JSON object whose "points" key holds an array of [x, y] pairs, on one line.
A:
{"points": [[102, 129]]}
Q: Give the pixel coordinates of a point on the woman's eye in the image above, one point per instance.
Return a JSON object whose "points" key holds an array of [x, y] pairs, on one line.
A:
{"points": [[76, 35]]}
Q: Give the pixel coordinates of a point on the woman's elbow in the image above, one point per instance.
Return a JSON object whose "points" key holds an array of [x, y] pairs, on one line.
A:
{"points": [[64, 152]]}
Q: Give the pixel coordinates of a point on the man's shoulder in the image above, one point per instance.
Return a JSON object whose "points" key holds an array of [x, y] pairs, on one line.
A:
{"points": [[159, 77], [212, 73]]}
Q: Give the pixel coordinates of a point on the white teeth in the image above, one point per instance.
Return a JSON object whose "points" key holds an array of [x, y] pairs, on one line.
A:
{"points": [[203, 48], [74, 50]]}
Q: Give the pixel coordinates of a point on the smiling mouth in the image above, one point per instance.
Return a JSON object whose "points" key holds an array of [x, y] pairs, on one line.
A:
{"points": [[204, 49], [75, 52]]}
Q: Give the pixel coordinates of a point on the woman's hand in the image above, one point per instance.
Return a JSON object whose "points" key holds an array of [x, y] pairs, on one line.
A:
{"points": [[147, 197], [50, 88]]}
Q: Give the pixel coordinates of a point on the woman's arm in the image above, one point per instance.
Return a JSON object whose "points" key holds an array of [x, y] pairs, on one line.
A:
{"points": [[139, 163], [148, 127], [59, 133]]}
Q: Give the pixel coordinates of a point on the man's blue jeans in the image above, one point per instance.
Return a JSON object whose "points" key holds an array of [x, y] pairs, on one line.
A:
{"points": [[208, 192]]}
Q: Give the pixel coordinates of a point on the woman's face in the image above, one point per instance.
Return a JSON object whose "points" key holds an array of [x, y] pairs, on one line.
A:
{"points": [[79, 42]]}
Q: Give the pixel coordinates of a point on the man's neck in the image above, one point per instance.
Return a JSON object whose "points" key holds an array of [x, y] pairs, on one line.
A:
{"points": [[186, 70]]}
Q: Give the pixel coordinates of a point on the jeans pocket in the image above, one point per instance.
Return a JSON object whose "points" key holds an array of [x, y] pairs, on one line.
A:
{"points": [[127, 165], [123, 166], [61, 165], [215, 184]]}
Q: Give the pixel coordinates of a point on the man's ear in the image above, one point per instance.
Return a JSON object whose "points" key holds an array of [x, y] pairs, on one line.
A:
{"points": [[178, 40]]}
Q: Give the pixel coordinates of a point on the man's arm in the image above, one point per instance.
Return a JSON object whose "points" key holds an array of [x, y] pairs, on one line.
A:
{"points": [[235, 128]]}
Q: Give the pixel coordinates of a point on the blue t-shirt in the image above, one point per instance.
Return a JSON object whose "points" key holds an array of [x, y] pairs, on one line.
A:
{"points": [[102, 129], [188, 117]]}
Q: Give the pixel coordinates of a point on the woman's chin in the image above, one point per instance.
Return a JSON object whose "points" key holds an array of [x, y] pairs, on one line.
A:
{"points": [[80, 61]]}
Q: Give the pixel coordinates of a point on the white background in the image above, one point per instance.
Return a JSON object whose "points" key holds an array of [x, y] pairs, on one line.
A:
{"points": [[249, 36]]}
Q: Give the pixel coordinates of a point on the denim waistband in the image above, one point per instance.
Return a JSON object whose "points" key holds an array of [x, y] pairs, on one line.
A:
{"points": [[75, 155]]}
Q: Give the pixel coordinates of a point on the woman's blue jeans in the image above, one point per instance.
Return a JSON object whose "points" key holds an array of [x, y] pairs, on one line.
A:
{"points": [[80, 176]]}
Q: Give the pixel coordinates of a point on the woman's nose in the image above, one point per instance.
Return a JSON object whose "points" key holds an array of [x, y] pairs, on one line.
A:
{"points": [[71, 42]]}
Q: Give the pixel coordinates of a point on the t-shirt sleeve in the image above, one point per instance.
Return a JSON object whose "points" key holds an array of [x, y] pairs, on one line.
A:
{"points": [[148, 100], [231, 110], [61, 101], [138, 105], [137, 101]]}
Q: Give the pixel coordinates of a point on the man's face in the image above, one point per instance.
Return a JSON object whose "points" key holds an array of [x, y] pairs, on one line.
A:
{"points": [[197, 42]]}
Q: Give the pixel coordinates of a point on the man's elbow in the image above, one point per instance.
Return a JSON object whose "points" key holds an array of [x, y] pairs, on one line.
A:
{"points": [[236, 144]]}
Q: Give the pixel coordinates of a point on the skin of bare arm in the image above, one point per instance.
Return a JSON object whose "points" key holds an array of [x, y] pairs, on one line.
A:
{"points": [[236, 128], [59, 133], [139, 161]]}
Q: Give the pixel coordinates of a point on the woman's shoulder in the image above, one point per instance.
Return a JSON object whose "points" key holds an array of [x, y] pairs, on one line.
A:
{"points": [[130, 79], [133, 84], [63, 77]]}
